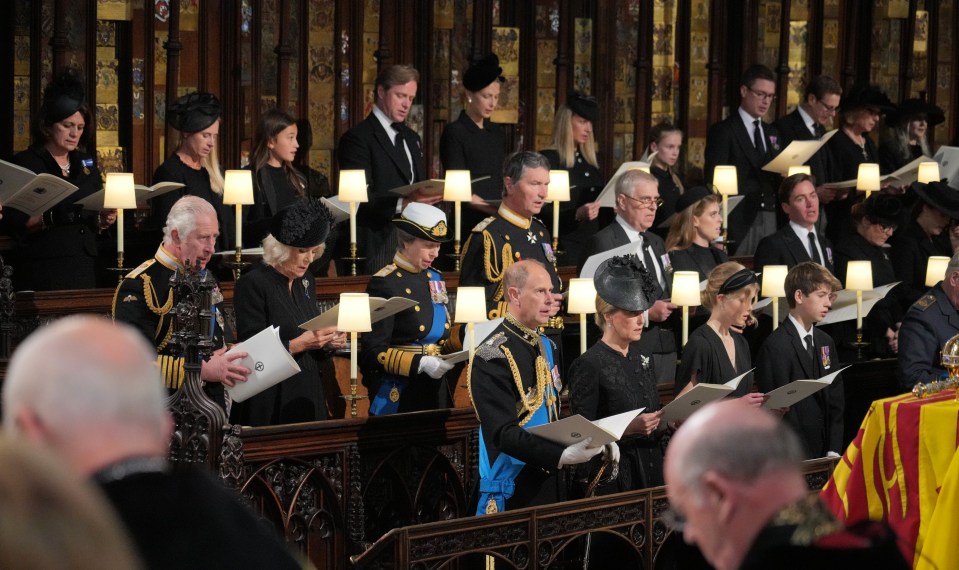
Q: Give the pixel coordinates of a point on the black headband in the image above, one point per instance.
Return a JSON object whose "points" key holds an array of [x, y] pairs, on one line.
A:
{"points": [[737, 281]]}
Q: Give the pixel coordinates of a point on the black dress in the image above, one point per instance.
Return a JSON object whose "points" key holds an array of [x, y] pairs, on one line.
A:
{"points": [[846, 155], [669, 192], [697, 258], [62, 255], [586, 182], [603, 382], [890, 162], [911, 248], [706, 354], [197, 183], [272, 191], [465, 146], [263, 298]]}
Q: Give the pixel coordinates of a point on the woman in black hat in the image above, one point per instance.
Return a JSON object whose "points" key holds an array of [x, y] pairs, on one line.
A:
{"points": [[58, 249], [613, 377], [473, 142], [400, 356], [281, 292], [574, 150], [716, 352], [908, 127], [926, 234], [694, 230], [875, 219], [195, 162]]}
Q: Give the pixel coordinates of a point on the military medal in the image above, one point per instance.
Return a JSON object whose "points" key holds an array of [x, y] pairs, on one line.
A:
{"points": [[667, 264], [438, 292], [217, 296], [824, 352], [557, 384], [491, 506], [87, 163], [394, 394], [548, 250], [530, 237]]}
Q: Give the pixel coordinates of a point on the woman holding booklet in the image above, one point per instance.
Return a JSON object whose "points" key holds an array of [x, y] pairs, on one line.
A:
{"points": [[614, 377], [400, 359], [281, 292]]}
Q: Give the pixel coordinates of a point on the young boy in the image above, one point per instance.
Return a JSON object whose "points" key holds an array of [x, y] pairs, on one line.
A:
{"points": [[797, 350]]}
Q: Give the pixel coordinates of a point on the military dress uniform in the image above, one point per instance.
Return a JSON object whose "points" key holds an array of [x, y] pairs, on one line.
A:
{"points": [[144, 299], [391, 352], [513, 383], [928, 324]]}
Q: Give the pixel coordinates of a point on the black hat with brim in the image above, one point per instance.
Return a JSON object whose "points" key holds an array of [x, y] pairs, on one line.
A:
{"points": [[691, 196], [584, 106], [912, 108], [482, 73], [883, 209], [304, 223], [194, 112], [625, 284], [62, 98], [863, 96], [940, 196], [423, 221]]}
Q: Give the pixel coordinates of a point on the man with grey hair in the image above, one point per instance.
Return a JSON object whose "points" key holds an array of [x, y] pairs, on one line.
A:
{"points": [[928, 324], [144, 297], [637, 199], [737, 491], [100, 405]]}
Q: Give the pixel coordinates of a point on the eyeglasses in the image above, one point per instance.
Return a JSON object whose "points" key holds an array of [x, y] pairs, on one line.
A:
{"points": [[673, 520], [762, 94], [646, 201], [888, 227], [830, 109]]}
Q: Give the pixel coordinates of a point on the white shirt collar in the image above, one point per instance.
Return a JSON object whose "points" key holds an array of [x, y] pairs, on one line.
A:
{"points": [[632, 233], [749, 120], [802, 332], [807, 120], [386, 122]]}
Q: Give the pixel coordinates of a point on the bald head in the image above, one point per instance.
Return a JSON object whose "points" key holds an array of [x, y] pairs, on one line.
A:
{"points": [[528, 288]]}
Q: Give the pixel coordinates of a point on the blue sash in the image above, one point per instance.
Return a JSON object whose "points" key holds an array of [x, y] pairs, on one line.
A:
{"points": [[497, 480], [382, 404]]}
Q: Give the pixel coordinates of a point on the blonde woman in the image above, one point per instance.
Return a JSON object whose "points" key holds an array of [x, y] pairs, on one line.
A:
{"points": [[698, 223]]}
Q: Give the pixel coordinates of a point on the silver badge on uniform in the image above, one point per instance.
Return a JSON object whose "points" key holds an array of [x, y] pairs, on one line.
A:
{"points": [[438, 292], [548, 250]]}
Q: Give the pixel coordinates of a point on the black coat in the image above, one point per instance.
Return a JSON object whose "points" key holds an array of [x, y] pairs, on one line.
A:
{"points": [[792, 128], [928, 324], [465, 146], [697, 258], [367, 147], [728, 143], [910, 252], [670, 192], [817, 420], [197, 183], [272, 191], [846, 156], [586, 182], [785, 248]]}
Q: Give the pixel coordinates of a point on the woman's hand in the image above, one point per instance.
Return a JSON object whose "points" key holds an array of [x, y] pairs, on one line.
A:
{"points": [[755, 399], [35, 223], [645, 424], [107, 218], [315, 340], [893, 338], [587, 212]]}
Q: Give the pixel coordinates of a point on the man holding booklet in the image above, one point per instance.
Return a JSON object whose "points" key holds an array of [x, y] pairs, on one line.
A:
{"points": [[513, 383], [798, 350]]}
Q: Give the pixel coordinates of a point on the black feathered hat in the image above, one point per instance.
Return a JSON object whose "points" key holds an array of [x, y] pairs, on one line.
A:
{"points": [[625, 284], [482, 73], [63, 97], [911, 108], [584, 106], [194, 112], [862, 96], [884, 209], [691, 196], [304, 223]]}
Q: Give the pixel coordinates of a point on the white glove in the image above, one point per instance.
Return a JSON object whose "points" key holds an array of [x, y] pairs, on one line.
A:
{"points": [[434, 367], [832, 454], [611, 451], [579, 453]]}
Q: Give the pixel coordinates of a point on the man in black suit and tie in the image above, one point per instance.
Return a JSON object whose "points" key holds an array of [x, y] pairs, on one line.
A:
{"points": [[808, 123], [798, 241], [798, 350], [392, 156], [743, 140], [637, 198]]}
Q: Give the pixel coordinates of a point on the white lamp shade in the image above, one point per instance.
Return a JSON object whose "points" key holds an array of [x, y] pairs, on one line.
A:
{"points": [[558, 189], [936, 269], [118, 192], [774, 280], [470, 305], [352, 186], [458, 187], [803, 169], [582, 296], [686, 289], [354, 314], [928, 172], [238, 187], [725, 180], [859, 276], [868, 178]]}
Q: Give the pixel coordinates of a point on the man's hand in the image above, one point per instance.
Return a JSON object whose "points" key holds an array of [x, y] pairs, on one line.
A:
{"points": [[893, 338], [661, 310], [579, 453], [222, 367], [434, 367], [420, 196]]}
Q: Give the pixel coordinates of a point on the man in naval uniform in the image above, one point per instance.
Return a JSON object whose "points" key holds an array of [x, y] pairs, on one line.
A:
{"points": [[929, 323], [144, 298], [513, 382], [400, 357]]}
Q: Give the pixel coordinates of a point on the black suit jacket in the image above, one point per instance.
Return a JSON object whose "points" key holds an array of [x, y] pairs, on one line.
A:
{"points": [[728, 143], [785, 248], [818, 420], [792, 128]]}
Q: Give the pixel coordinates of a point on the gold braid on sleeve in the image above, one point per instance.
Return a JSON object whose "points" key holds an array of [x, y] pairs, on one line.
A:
{"points": [[494, 271], [534, 401]]}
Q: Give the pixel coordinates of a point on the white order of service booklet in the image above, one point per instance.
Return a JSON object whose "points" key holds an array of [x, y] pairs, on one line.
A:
{"points": [[574, 429], [700, 395], [268, 360]]}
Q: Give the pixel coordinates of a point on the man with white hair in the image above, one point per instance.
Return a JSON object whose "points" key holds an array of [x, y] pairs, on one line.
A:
{"points": [[737, 491], [145, 297], [928, 324], [100, 404]]}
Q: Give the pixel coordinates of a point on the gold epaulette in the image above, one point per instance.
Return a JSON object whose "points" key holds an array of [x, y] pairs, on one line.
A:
{"points": [[387, 269], [482, 225], [140, 269]]}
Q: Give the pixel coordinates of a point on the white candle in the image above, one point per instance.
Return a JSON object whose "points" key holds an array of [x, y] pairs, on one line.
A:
{"points": [[775, 303], [582, 333], [352, 222], [725, 212], [239, 226], [685, 324], [556, 219], [119, 230], [858, 310], [353, 350], [457, 213], [471, 334]]}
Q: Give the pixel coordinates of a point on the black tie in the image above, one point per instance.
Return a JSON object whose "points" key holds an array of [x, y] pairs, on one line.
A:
{"points": [[813, 249], [398, 143], [810, 347], [758, 138], [820, 130]]}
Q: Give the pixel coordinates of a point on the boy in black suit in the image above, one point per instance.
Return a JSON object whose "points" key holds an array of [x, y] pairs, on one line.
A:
{"points": [[797, 350]]}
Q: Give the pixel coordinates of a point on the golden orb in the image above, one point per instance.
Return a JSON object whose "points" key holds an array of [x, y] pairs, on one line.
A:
{"points": [[950, 357]]}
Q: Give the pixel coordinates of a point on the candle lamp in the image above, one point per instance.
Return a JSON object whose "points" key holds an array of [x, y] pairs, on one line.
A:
{"points": [[936, 269], [859, 279], [868, 179], [354, 318], [119, 195], [457, 189], [352, 190], [470, 309], [803, 169], [582, 301], [237, 192], [774, 286], [928, 172], [686, 294], [557, 191], [727, 184]]}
